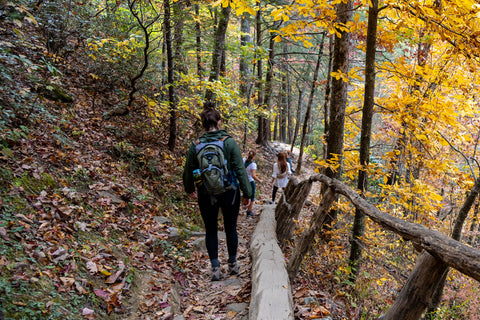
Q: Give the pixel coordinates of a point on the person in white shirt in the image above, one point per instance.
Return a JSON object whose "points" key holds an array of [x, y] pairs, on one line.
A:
{"points": [[281, 173], [251, 168]]}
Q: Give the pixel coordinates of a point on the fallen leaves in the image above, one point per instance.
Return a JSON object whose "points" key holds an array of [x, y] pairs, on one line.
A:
{"points": [[88, 314], [113, 277]]}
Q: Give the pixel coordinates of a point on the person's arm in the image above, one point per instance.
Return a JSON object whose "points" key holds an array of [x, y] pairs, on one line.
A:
{"points": [[188, 180], [254, 176], [275, 172]]}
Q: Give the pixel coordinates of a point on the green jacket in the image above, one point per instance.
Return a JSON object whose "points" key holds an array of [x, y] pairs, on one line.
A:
{"points": [[234, 163]]}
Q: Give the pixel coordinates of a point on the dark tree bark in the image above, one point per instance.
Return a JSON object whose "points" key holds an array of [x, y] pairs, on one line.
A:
{"points": [[326, 104], [269, 80], [289, 110], [282, 124], [474, 224], [289, 207], [301, 93], [365, 136], [262, 125], [275, 128], [244, 68], [283, 100], [218, 51], [418, 289], [306, 242], [178, 25], [309, 107], [244, 63], [339, 97], [170, 80], [223, 64], [198, 42], [144, 26]]}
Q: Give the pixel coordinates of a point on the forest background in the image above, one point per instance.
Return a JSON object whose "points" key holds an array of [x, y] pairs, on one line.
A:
{"points": [[384, 95]]}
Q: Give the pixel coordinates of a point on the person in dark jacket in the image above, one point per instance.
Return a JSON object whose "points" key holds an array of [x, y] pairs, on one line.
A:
{"points": [[289, 160], [228, 201]]}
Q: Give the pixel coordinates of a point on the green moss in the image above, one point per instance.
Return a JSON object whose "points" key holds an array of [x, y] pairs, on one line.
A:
{"points": [[32, 185]]}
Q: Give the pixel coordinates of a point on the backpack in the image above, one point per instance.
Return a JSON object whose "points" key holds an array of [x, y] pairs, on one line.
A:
{"points": [[282, 175], [213, 166]]}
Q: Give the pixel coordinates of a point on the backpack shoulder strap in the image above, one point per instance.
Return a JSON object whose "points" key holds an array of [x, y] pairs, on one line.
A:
{"points": [[219, 143]]}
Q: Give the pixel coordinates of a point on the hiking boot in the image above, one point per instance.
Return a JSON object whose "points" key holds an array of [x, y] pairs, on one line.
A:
{"points": [[216, 273], [234, 268], [250, 213]]}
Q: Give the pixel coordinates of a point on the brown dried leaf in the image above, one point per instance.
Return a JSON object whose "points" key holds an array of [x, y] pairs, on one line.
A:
{"points": [[67, 281], [114, 276], [92, 267]]}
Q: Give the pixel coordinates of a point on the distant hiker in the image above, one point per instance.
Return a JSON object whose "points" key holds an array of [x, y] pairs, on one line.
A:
{"points": [[209, 198], [281, 172], [251, 167], [289, 160]]}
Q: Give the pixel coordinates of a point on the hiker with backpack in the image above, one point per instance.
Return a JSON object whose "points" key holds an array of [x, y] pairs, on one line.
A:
{"points": [[281, 172], [251, 168], [214, 167]]}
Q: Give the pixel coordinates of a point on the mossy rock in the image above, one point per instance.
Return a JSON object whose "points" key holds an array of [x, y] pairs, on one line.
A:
{"points": [[55, 92]]}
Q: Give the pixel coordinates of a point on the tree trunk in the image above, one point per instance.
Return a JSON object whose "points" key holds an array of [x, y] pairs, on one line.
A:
{"points": [[275, 127], [289, 207], [326, 104], [198, 42], [283, 110], [415, 295], [145, 26], [339, 97], [472, 239], [218, 51], [269, 79], [245, 72], [283, 99], [178, 23], [170, 80], [244, 63], [309, 107], [365, 136], [308, 236], [262, 126], [301, 93], [289, 110], [223, 64]]}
